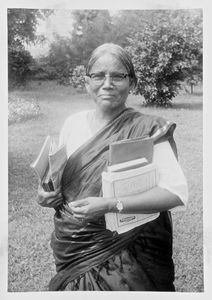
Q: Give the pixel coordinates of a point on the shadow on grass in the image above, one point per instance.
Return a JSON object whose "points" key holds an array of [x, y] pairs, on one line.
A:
{"points": [[188, 105], [189, 101], [195, 106]]}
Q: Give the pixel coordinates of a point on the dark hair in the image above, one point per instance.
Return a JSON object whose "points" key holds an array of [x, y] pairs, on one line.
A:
{"points": [[118, 52]]}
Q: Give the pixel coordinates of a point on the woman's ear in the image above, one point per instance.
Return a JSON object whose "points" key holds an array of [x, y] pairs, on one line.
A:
{"points": [[132, 86]]}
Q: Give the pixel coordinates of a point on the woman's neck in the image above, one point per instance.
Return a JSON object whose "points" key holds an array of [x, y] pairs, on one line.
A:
{"points": [[106, 115], [98, 118]]}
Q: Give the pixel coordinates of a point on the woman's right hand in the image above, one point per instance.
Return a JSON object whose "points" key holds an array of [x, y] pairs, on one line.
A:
{"points": [[49, 199]]}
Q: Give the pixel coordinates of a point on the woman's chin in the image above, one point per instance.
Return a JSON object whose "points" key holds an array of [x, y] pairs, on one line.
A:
{"points": [[107, 104]]}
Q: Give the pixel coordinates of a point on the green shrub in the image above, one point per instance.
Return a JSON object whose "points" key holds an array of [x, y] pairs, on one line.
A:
{"points": [[77, 77], [19, 61], [159, 67], [166, 52]]}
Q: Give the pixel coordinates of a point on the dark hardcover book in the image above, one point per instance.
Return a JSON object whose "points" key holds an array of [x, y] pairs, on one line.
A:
{"points": [[130, 149]]}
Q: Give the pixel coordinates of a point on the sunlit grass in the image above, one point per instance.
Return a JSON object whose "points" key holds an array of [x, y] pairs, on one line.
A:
{"points": [[31, 264]]}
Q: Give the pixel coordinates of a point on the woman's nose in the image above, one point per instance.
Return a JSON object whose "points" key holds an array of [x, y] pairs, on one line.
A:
{"points": [[108, 82]]}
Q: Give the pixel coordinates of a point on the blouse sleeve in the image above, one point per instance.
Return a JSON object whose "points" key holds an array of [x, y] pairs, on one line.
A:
{"points": [[171, 176], [62, 136], [74, 132], [69, 124]]}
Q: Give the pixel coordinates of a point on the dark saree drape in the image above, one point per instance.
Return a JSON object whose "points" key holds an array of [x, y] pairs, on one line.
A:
{"points": [[89, 257]]}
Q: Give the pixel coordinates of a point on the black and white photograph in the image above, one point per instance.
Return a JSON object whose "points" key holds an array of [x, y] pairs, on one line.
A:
{"points": [[105, 151]]}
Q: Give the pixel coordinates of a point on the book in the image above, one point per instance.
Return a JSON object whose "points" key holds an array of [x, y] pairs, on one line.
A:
{"points": [[130, 171], [128, 165], [40, 165], [130, 149], [49, 164], [126, 183]]}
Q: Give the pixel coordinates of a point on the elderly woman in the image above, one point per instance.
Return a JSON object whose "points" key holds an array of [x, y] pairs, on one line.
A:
{"points": [[87, 255]]}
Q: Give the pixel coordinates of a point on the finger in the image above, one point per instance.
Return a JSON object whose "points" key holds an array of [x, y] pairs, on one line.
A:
{"points": [[79, 203], [59, 196], [77, 216], [78, 210], [56, 204]]}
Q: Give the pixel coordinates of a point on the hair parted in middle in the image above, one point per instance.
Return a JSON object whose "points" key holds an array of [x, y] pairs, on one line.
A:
{"points": [[116, 51]]}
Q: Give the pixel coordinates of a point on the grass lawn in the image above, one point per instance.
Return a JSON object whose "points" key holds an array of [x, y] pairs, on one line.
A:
{"points": [[31, 264]]}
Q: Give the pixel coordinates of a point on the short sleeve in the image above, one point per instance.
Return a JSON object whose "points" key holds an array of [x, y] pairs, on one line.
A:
{"points": [[171, 176], [63, 134], [74, 132]]}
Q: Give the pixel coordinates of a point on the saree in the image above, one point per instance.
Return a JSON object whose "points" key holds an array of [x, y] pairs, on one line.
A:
{"points": [[87, 255]]}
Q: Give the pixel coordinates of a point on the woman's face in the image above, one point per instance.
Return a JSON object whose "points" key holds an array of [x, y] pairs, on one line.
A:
{"points": [[108, 94]]}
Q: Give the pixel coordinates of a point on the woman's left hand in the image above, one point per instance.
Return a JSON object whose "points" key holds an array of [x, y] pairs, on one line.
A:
{"points": [[89, 208]]}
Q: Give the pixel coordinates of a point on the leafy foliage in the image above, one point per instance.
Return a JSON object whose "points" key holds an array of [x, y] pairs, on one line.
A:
{"points": [[22, 25], [91, 28], [60, 59], [21, 30], [166, 52], [77, 77], [42, 70], [18, 66]]}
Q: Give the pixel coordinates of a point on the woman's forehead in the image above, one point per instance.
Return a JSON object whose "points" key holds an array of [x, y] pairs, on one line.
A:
{"points": [[108, 63]]}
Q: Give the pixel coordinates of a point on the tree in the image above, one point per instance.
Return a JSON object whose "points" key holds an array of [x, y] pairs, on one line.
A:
{"points": [[166, 52], [91, 28], [124, 24], [21, 30]]}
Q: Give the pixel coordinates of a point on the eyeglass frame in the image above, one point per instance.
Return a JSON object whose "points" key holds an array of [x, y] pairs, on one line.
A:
{"points": [[109, 76]]}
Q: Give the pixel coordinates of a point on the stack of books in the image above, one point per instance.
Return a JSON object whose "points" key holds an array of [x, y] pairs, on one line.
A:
{"points": [[49, 164], [130, 171]]}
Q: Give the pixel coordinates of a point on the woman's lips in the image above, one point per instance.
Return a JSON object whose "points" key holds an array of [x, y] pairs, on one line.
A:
{"points": [[104, 96]]}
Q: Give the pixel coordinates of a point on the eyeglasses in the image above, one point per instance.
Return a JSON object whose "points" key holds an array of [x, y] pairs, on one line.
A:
{"points": [[116, 78]]}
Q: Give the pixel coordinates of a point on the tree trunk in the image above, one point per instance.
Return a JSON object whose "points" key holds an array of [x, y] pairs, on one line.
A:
{"points": [[192, 88]]}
